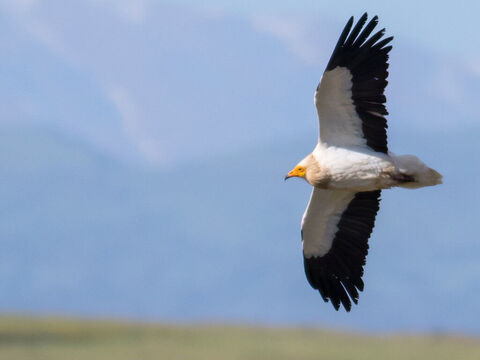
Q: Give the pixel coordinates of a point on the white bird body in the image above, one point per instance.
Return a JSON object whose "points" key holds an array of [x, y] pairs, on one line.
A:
{"points": [[351, 164], [354, 168], [358, 168]]}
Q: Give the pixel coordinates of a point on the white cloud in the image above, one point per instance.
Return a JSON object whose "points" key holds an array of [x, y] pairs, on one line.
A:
{"points": [[295, 32], [474, 66], [133, 125], [19, 6], [26, 14], [448, 84], [133, 11]]}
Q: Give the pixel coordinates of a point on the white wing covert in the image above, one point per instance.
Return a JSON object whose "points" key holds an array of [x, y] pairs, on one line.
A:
{"points": [[350, 97], [335, 231]]}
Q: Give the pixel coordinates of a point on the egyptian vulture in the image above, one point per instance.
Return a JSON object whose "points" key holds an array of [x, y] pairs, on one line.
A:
{"points": [[351, 164]]}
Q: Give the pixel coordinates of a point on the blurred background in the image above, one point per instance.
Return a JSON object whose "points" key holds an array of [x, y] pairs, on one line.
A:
{"points": [[143, 146]]}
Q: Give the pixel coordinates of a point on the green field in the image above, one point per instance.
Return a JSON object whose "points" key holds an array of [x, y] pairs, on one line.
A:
{"points": [[24, 338]]}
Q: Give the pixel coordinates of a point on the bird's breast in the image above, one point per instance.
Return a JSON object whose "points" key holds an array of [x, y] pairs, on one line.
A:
{"points": [[349, 169]]}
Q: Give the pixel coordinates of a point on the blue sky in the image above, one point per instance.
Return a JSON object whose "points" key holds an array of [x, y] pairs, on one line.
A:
{"points": [[137, 55], [125, 111], [437, 25]]}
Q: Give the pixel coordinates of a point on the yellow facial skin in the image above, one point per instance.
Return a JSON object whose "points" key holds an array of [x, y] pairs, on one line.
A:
{"points": [[298, 171]]}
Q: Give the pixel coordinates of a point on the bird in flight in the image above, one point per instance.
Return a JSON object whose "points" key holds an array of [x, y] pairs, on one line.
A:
{"points": [[351, 164]]}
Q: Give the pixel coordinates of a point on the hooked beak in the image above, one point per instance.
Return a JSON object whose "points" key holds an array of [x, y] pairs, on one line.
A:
{"points": [[299, 171], [292, 173]]}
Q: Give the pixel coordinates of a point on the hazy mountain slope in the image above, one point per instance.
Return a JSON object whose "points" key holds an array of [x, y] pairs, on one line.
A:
{"points": [[85, 234]]}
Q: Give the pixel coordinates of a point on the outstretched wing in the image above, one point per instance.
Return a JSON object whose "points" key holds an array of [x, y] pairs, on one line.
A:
{"points": [[350, 97], [335, 231]]}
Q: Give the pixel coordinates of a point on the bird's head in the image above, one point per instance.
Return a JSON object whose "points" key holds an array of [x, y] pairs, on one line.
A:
{"points": [[298, 171], [305, 169]]}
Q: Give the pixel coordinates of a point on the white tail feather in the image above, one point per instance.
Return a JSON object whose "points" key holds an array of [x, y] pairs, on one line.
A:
{"points": [[412, 166]]}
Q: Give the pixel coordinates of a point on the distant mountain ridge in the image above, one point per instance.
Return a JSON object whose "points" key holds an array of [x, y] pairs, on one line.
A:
{"points": [[185, 86]]}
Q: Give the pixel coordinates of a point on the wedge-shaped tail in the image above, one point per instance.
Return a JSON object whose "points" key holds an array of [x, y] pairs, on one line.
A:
{"points": [[415, 170]]}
